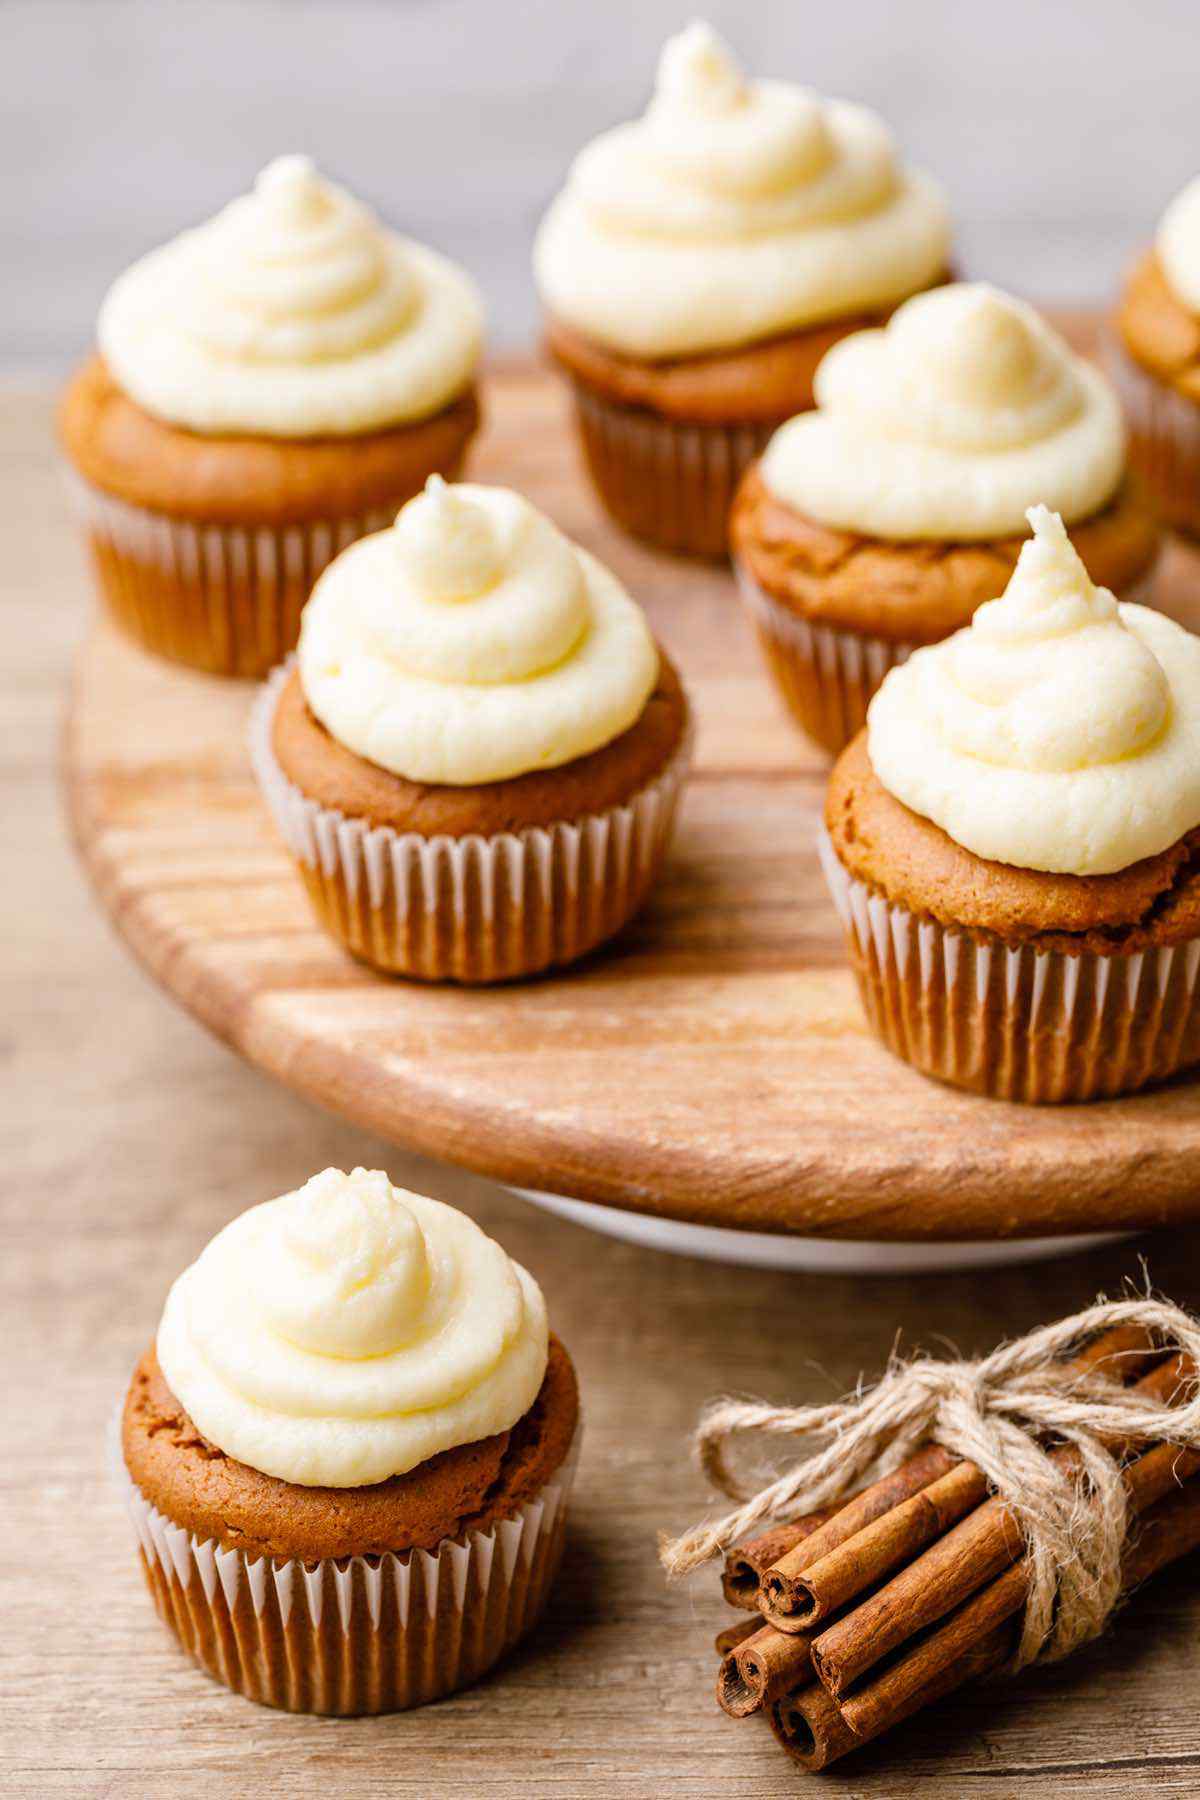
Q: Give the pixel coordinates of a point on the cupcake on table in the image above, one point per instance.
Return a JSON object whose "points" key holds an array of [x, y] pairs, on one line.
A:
{"points": [[1158, 363], [1014, 842], [882, 519], [349, 1450], [700, 262], [476, 756], [267, 388]]}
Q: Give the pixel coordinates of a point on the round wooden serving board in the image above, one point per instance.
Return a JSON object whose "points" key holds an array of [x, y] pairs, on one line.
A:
{"points": [[712, 1065]]}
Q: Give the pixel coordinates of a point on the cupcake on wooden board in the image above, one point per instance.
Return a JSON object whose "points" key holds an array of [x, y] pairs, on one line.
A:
{"points": [[700, 262], [348, 1453], [267, 388], [476, 756], [1014, 842], [1157, 363], [881, 520]]}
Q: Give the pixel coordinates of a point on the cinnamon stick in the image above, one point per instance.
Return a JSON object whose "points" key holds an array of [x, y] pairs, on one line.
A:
{"points": [[758, 1670], [778, 1596], [745, 1563], [870, 1711], [816, 1731], [733, 1635], [856, 1550], [954, 1567]]}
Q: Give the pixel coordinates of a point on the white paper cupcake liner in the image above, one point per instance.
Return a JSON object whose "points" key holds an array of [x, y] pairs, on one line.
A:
{"points": [[1016, 1022], [476, 908], [222, 598], [663, 480], [1164, 438], [363, 1634], [828, 675]]}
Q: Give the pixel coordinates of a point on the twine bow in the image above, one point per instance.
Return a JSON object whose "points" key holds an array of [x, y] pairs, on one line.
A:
{"points": [[997, 1413]]}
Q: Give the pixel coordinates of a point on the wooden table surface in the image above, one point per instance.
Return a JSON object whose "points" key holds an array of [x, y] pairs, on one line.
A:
{"points": [[130, 1136]]}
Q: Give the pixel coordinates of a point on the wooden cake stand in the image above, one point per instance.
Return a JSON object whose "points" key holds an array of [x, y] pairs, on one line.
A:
{"points": [[708, 1082]]}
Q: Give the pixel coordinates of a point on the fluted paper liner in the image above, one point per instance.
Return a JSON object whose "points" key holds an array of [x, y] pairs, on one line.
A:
{"points": [[1164, 438], [827, 675], [222, 598], [363, 1634], [1012, 1021], [471, 909], [669, 482]]}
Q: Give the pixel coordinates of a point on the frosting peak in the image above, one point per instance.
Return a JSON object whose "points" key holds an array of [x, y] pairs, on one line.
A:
{"points": [[352, 1272], [697, 71], [948, 422], [345, 1333], [733, 210], [448, 545], [1058, 731], [1179, 246], [472, 642], [292, 313]]}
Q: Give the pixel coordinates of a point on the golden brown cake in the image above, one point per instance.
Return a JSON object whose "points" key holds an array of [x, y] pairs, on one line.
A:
{"points": [[509, 814], [347, 1455], [1013, 844], [1156, 364], [268, 387], [879, 521], [215, 1498], [698, 265], [913, 863]]}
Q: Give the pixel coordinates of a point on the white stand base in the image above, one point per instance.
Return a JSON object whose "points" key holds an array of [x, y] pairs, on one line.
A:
{"points": [[818, 1256]]}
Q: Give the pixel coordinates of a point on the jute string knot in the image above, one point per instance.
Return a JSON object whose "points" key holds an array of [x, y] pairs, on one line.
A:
{"points": [[1004, 1413]]}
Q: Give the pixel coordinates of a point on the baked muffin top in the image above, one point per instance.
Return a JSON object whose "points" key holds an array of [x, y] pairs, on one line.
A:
{"points": [[243, 480], [915, 864], [914, 593], [196, 1485], [1158, 331]]}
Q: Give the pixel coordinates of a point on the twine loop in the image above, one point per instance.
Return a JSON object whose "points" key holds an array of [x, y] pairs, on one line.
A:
{"points": [[1004, 1412]]}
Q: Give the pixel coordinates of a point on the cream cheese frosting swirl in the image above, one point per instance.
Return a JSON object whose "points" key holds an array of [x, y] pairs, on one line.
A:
{"points": [[472, 642], [348, 1331], [1178, 246], [948, 423], [732, 211], [292, 314], [1058, 731]]}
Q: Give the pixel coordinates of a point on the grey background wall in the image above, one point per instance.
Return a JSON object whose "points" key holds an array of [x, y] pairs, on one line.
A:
{"points": [[1059, 126]]}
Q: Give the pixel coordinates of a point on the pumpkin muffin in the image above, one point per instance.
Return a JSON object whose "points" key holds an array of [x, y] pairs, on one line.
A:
{"points": [[1156, 362], [267, 388], [699, 263], [1014, 843], [476, 757], [881, 520], [348, 1452]]}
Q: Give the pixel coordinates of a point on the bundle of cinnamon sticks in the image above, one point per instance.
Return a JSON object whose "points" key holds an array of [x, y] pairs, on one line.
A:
{"points": [[858, 1616]]}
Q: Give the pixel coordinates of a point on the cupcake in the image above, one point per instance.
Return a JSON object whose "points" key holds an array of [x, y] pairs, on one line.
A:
{"points": [[882, 519], [476, 755], [348, 1452], [1157, 362], [1014, 842], [267, 388], [701, 261]]}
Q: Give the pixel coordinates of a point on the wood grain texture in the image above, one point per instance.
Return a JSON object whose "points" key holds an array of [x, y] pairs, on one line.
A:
{"points": [[129, 1137], [714, 1064]]}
